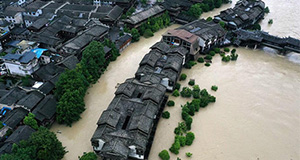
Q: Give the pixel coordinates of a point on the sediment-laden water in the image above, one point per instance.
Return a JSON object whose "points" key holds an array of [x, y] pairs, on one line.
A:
{"points": [[257, 113]]}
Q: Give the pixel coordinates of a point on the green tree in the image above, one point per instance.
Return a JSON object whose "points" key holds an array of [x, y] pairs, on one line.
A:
{"points": [[182, 77], [69, 107], [186, 92], [164, 155], [182, 140], [195, 11], [175, 93], [190, 138], [200, 60], [88, 156], [170, 103], [209, 19], [189, 122], [148, 33], [42, 145], [188, 154], [166, 115], [175, 146], [222, 24], [214, 88], [177, 86], [135, 35], [30, 121], [267, 10], [191, 82]]}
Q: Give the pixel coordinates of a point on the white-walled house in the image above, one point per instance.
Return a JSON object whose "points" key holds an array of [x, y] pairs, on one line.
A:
{"points": [[21, 64], [13, 14]]}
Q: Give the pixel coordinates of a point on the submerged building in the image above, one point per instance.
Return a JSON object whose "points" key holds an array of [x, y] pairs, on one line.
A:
{"points": [[126, 129], [244, 14], [196, 37]]}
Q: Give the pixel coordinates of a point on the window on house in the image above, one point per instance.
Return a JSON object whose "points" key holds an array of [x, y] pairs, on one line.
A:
{"points": [[139, 95], [126, 122]]}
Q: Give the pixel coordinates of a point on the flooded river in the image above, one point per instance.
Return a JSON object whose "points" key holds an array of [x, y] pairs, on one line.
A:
{"points": [[257, 113]]}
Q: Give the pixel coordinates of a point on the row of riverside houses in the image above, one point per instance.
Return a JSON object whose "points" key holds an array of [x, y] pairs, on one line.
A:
{"points": [[126, 129], [244, 14]]}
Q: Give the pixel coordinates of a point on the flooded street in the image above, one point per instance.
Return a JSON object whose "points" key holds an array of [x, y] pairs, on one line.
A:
{"points": [[257, 113], [77, 138]]}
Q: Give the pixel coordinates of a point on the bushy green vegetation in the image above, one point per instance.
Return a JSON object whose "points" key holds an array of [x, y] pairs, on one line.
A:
{"points": [[190, 64], [270, 21], [177, 86], [195, 11], [222, 24], [214, 88], [175, 93], [164, 155], [175, 146], [212, 53], [30, 121], [2, 54], [182, 77], [192, 82], [72, 85], [170, 103], [208, 57], [165, 115], [209, 19], [88, 156], [180, 129], [26, 81], [226, 49], [207, 64], [188, 154], [190, 136], [186, 92], [148, 33], [200, 60], [42, 144], [267, 10], [217, 50]]}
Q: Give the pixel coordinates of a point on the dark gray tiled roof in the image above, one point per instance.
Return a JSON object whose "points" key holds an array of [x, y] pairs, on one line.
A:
{"points": [[21, 133], [46, 109], [13, 96], [47, 87], [139, 17], [48, 72], [38, 24], [69, 62], [12, 11], [34, 6], [14, 117], [31, 100]]}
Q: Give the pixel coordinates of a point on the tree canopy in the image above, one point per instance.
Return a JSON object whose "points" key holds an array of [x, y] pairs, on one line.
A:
{"points": [[42, 144]]}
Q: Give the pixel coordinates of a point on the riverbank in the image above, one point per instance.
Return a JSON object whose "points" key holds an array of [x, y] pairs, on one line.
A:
{"points": [[77, 138]]}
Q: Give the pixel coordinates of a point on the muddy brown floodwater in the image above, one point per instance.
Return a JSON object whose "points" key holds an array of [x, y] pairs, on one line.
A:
{"points": [[257, 113]]}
